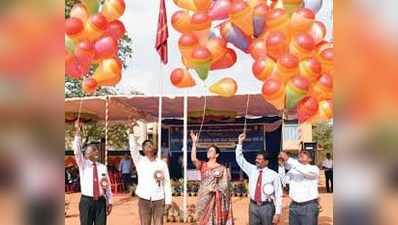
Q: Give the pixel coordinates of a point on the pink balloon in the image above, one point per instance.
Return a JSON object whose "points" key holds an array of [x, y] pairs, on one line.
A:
{"points": [[220, 9], [116, 29], [105, 47]]}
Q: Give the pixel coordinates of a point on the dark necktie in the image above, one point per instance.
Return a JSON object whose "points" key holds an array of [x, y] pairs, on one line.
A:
{"points": [[96, 191], [257, 195]]}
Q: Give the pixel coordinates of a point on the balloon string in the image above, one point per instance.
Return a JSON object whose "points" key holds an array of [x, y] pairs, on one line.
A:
{"points": [[80, 108], [247, 110], [204, 111]]}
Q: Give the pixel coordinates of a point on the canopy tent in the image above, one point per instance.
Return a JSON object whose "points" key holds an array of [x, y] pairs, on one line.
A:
{"points": [[121, 107]]}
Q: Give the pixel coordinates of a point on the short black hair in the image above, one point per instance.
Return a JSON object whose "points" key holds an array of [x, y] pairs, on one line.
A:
{"points": [[218, 151], [328, 155], [264, 154], [306, 152], [146, 142]]}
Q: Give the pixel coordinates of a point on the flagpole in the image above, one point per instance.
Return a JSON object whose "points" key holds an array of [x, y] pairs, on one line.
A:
{"points": [[160, 112], [185, 160]]}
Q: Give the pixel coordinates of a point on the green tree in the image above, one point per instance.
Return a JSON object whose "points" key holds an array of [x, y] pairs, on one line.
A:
{"points": [[322, 133]]}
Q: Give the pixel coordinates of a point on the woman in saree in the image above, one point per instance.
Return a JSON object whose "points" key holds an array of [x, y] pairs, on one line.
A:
{"points": [[214, 198]]}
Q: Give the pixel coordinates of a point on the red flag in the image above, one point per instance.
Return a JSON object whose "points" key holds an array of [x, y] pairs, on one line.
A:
{"points": [[162, 33]]}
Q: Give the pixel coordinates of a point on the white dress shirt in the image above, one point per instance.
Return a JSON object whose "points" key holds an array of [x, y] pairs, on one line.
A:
{"points": [[86, 173], [147, 187], [282, 175], [303, 181], [327, 163], [270, 177]]}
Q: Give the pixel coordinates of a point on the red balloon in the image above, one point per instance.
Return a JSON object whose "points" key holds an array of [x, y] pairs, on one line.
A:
{"points": [[89, 85], [99, 21], [258, 49], [74, 67], [85, 51], [105, 47], [307, 108], [116, 29], [201, 53], [277, 44], [73, 26], [228, 60]]}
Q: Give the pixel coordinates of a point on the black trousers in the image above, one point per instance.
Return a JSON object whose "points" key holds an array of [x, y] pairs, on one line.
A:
{"points": [[329, 180], [92, 212], [304, 213]]}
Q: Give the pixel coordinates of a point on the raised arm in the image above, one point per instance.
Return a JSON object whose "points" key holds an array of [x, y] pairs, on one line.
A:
{"points": [[77, 145], [310, 172], [134, 152], [240, 159], [195, 161]]}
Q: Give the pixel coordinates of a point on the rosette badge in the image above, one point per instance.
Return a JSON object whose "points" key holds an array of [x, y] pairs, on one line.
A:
{"points": [[104, 182], [159, 177]]}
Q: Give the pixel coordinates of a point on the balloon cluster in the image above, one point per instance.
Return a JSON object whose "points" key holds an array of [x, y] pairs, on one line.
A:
{"points": [[288, 46], [91, 41]]}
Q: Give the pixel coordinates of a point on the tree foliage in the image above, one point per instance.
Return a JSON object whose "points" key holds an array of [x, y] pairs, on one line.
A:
{"points": [[323, 134]]}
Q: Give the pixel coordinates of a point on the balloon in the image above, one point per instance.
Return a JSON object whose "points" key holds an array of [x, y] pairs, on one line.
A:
{"points": [[302, 45], [181, 21], [254, 3], [323, 88], [108, 72], [318, 32], [201, 58], [89, 85], [225, 87], [202, 5], [113, 9], [287, 66], [220, 9], [263, 68], [311, 69], [301, 20], [186, 4], [314, 5], [96, 26], [273, 92], [105, 47], [326, 109], [217, 48], [277, 44], [241, 15], [326, 59], [91, 5], [187, 43], [277, 20], [307, 108], [295, 90], [85, 51], [201, 24], [258, 49], [292, 5], [69, 45], [181, 78], [228, 60], [75, 68], [259, 15], [322, 46], [74, 28], [115, 29], [235, 36], [79, 11]]}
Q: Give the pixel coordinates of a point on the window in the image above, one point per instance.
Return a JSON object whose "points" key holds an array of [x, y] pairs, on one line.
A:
{"points": [[290, 132]]}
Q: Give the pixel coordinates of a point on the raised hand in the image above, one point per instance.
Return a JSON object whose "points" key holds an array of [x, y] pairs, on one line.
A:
{"points": [[194, 137], [131, 124], [241, 138]]}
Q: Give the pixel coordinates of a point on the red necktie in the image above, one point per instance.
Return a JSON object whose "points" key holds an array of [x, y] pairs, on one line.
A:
{"points": [[96, 191], [257, 195]]}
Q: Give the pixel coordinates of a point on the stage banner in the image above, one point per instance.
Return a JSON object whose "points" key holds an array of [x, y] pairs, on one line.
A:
{"points": [[223, 136]]}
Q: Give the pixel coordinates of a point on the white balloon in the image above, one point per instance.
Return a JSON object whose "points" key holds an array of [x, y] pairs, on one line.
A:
{"points": [[314, 5]]}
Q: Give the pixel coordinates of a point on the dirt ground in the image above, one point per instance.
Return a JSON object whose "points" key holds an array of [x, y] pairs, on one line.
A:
{"points": [[125, 209]]}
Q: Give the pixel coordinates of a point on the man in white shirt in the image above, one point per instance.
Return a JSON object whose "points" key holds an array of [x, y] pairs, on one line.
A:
{"points": [[154, 188], [265, 189], [327, 165], [96, 200], [303, 189]]}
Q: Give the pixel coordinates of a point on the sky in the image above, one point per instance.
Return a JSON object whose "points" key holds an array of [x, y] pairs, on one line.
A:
{"points": [[145, 73]]}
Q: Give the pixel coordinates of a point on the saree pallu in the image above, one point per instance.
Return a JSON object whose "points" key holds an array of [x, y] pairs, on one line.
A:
{"points": [[214, 199]]}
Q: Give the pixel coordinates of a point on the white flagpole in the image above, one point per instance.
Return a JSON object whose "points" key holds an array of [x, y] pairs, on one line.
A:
{"points": [[185, 160], [160, 112]]}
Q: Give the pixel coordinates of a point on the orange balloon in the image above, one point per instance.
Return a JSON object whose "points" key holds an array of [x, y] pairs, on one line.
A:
{"points": [[225, 87], [89, 85], [108, 72], [326, 109], [273, 92], [241, 15], [318, 31], [311, 69], [301, 20], [323, 88], [96, 26], [292, 5], [228, 60], [278, 20], [113, 9], [186, 4], [276, 44], [201, 24], [74, 28], [181, 78], [181, 21], [79, 11], [263, 68], [217, 47], [326, 59], [202, 5], [187, 43], [258, 49], [302, 45], [287, 66]]}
